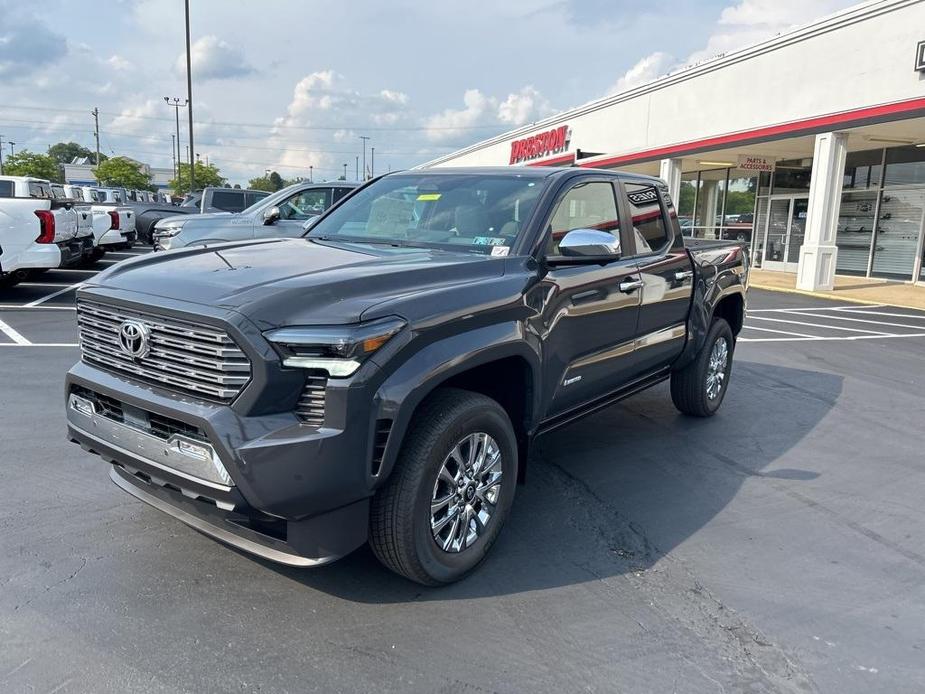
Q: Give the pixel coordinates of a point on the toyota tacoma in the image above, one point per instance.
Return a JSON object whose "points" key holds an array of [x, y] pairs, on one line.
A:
{"points": [[381, 378]]}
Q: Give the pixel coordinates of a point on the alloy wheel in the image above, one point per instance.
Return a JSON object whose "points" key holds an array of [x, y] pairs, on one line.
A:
{"points": [[716, 368]]}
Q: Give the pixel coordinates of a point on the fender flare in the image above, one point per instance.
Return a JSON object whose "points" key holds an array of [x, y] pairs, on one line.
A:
{"points": [[402, 392]]}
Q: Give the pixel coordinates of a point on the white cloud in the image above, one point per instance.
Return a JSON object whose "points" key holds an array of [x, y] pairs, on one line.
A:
{"points": [[481, 111], [646, 70], [117, 62], [214, 59], [26, 44]]}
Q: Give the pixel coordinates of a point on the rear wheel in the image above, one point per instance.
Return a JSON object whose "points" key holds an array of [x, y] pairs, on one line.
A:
{"points": [[699, 388], [450, 492]]}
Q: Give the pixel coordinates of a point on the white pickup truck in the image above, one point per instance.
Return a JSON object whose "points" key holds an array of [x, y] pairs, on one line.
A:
{"points": [[113, 224], [84, 214], [37, 232]]}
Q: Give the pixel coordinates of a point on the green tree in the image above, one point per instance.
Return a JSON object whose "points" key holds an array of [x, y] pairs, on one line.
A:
{"points": [[66, 152], [206, 175], [270, 183], [123, 172], [26, 163]]}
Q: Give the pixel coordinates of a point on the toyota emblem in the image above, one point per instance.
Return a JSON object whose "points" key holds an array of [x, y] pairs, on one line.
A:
{"points": [[133, 338]]}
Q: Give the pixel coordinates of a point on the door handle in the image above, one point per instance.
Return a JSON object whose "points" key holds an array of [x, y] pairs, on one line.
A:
{"points": [[683, 275], [627, 286]]}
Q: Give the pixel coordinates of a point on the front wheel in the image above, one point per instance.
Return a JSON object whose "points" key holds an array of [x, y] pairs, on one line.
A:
{"points": [[450, 492], [699, 388]]}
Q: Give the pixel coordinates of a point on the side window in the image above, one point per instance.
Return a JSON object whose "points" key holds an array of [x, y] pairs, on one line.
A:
{"points": [[308, 203], [649, 227], [228, 201], [339, 193], [586, 206], [251, 198], [6, 189]]}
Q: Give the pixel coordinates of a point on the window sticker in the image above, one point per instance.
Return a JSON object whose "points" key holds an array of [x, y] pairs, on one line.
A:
{"points": [[487, 241], [428, 197], [498, 251]]}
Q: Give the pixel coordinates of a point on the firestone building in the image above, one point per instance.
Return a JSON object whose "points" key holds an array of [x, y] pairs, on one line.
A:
{"points": [[809, 146]]}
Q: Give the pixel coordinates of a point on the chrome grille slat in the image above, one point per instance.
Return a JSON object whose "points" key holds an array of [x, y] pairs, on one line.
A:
{"points": [[310, 408], [183, 356]]}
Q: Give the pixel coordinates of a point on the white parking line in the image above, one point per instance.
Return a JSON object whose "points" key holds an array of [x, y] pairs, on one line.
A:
{"points": [[779, 332], [845, 307], [14, 335], [53, 295], [859, 320], [40, 344], [860, 309], [882, 336], [817, 325]]}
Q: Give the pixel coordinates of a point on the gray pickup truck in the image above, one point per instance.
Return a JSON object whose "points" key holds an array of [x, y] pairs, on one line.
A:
{"points": [[283, 213], [383, 378]]}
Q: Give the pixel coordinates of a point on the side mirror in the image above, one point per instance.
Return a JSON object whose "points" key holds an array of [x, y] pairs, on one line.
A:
{"points": [[590, 243], [271, 215]]}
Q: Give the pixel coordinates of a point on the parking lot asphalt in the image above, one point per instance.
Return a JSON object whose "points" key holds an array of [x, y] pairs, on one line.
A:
{"points": [[776, 547]]}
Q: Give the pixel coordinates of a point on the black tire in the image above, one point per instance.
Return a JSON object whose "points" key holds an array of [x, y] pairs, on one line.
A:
{"points": [[400, 518], [689, 388]]}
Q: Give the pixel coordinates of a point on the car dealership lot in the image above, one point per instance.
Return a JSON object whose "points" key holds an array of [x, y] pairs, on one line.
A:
{"points": [[775, 547]]}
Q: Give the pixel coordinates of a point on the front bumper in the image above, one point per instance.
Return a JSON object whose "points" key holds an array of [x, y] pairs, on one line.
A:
{"points": [[266, 484]]}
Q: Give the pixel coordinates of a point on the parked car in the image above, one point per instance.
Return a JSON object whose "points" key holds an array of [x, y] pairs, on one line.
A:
{"points": [[37, 231], [209, 200], [279, 214], [383, 378]]}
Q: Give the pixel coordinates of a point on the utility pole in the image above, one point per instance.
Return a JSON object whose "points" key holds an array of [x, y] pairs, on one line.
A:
{"points": [[173, 154], [372, 163], [96, 134], [189, 100], [364, 138], [1, 154], [358, 168], [177, 105]]}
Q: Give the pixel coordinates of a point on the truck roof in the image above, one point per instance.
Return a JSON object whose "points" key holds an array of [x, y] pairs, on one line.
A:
{"points": [[27, 179]]}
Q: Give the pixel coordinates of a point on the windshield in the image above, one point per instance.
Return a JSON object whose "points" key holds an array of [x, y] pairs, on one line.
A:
{"points": [[480, 213], [267, 200]]}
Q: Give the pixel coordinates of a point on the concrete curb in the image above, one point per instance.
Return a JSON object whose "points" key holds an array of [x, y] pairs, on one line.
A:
{"points": [[829, 297]]}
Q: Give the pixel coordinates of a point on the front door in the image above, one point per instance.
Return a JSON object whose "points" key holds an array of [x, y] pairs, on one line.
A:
{"points": [[786, 228], [586, 314]]}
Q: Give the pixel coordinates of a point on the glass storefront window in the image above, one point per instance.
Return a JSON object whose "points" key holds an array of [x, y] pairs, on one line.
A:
{"points": [[709, 210], [764, 183], [686, 198], [904, 166], [862, 169], [854, 231], [739, 216], [901, 213]]}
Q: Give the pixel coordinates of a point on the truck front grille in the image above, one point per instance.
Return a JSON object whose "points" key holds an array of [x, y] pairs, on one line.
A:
{"points": [[310, 408], [182, 356]]}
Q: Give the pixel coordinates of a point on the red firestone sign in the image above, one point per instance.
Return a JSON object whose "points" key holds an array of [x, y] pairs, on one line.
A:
{"points": [[537, 146]]}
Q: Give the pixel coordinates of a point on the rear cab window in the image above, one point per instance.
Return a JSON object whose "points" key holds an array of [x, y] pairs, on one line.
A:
{"points": [[6, 189], [650, 231], [40, 190], [228, 200]]}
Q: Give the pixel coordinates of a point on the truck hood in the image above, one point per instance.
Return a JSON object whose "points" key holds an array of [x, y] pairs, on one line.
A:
{"points": [[297, 281]]}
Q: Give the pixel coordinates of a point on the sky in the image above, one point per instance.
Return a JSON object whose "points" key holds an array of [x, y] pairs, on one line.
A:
{"points": [[288, 84]]}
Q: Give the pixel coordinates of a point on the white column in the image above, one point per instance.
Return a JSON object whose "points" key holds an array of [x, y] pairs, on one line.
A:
{"points": [[818, 253], [669, 171]]}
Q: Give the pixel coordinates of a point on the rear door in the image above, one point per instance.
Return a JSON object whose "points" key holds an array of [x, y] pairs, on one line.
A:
{"points": [[666, 272], [587, 313]]}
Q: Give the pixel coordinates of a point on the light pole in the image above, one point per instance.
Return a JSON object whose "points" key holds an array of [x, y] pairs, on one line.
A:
{"points": [[311, 177], [1, 154], [11, 143], [174, 146], [177, 105], [189, 100], [372, 163], [364, 138], [345, 172]]}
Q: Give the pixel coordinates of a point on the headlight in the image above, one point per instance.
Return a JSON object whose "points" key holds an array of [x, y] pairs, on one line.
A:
{"points": [[168, 229], [337, 349]]}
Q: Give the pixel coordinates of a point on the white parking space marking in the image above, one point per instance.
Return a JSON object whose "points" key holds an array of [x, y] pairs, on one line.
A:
{"points": [[14, 335], [817, 323], [53, 295]]}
